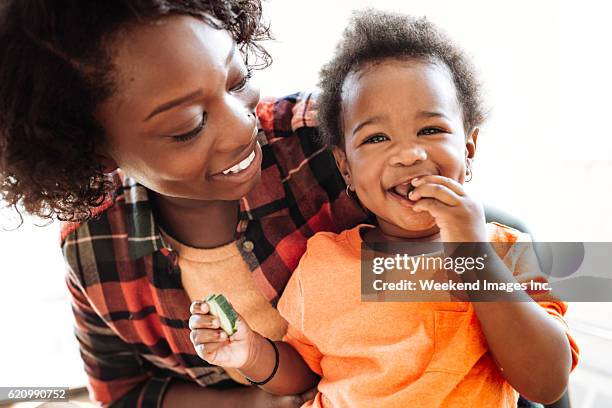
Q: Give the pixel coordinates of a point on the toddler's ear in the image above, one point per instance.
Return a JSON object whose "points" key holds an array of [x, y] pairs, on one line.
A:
{"points": [[342, 164], [470, 143]]}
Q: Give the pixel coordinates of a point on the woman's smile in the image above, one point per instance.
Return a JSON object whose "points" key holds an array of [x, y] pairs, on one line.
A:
{"points": [[244, 170]]}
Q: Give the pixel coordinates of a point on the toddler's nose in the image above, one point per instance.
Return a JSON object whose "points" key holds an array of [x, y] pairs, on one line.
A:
{"points": [[408, 155]]}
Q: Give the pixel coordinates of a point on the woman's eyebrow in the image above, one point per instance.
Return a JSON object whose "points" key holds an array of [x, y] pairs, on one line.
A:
{"points": [[173, 103], [186, 98]]}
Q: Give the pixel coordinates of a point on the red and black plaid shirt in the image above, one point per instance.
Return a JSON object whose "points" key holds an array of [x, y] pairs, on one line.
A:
{"points": [[130, 307]]}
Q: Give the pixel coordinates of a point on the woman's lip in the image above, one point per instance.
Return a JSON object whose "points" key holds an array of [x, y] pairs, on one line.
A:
{"points": [[402, 200], [245, 174]]}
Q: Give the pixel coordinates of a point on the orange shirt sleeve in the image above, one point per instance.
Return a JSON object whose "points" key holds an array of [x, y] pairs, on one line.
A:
{"points": [[291, 307]]}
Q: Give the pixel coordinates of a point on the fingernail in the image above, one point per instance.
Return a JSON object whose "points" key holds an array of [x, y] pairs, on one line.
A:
{"points": [[223, 335], [415, 180], [215, 323]]}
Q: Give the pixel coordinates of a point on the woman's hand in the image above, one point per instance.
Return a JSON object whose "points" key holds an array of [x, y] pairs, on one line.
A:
{"points": [[459, 217], [212, 344]]}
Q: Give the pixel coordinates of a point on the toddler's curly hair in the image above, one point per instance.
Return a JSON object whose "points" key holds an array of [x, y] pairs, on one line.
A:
{"points": [[374, 36]]}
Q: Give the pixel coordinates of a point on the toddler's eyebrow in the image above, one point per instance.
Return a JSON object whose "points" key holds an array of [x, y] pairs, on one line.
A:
{"points": [[379, 118], [431, 114], [369, 121]]}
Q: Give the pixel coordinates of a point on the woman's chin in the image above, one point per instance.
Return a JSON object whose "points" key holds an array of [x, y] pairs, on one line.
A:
{"points": [[247, 187]]}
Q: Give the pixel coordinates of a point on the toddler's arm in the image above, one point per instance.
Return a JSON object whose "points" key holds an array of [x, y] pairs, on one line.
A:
{"points": [[529, 345]]}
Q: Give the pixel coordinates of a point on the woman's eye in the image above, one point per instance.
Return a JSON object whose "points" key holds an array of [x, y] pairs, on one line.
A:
{"points": [[192, 133], [244, 81], [376, 139], [430, 131]]}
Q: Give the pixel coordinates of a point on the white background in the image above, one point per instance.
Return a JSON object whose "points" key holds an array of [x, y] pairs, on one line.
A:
{"points": [[544, 155]]}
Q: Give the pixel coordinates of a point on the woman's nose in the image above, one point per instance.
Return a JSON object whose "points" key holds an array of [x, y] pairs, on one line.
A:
{"points": [[236, 128], [407, 154]]}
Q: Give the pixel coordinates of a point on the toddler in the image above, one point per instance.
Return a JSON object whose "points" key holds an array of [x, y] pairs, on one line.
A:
{"points": [[400, 107]]}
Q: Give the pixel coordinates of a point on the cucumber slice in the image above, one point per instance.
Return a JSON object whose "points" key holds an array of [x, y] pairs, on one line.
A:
{"points": [[221, 308]]}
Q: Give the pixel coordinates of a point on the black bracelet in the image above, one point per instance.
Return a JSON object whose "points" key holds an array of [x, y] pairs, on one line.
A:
{"points": [[273, 371]]}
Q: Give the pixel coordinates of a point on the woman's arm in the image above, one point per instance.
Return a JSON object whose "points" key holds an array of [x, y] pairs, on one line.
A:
{"points": [[117, 378], [183, 394], [293, 374], [115, 374]]}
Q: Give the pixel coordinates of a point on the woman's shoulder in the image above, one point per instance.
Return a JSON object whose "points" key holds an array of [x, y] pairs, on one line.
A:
{"points": [[299, 171], [114, 201], [119, 232], [282, 116], [289, 135]]}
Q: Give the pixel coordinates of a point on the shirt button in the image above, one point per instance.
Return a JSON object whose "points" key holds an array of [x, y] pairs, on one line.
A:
{"points": [[248, 246]]}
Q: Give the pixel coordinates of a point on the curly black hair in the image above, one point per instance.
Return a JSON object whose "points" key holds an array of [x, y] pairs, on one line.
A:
{"points": [[56, 69], [373, 36]]}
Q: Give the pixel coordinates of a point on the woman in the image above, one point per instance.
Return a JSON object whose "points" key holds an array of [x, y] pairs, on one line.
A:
{"points": [[137, 122]]}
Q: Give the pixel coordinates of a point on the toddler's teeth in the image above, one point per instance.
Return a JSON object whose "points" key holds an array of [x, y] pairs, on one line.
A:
{"points": [[410, 190]]}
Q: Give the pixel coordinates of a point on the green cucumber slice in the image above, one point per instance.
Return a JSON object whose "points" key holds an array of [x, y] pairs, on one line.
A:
{"points": [[222, 309]]}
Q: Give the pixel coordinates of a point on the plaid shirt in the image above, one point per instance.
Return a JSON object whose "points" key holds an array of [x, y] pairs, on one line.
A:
{"points": [[130, 307]]}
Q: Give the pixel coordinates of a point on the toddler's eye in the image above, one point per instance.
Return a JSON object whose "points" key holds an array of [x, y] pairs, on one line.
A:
{"points": [[376, 139], [430, 131]]}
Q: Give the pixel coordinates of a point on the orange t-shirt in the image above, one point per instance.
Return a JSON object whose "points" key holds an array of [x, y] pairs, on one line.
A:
{"points": [[394, 354]]}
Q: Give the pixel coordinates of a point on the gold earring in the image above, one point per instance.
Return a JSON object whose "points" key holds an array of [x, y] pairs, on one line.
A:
{"points": [[348, 192], [468, 173]]}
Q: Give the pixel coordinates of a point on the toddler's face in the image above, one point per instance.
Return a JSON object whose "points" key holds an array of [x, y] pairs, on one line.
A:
{"points": [[401, 119]]}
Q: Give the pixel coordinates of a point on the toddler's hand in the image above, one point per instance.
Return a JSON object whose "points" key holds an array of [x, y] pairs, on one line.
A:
{"points": [[459, 217], [212, 344]]}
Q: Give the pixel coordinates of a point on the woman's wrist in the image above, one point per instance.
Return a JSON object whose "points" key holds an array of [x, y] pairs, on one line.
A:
{"points": [[261, 360]]}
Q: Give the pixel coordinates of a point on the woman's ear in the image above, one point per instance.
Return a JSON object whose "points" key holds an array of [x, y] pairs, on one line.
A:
{"points": [[342, 164], [108, 164]]}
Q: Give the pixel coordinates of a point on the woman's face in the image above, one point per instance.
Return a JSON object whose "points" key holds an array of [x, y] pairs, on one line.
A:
{"points": [[183, 111], [401, 120]]}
